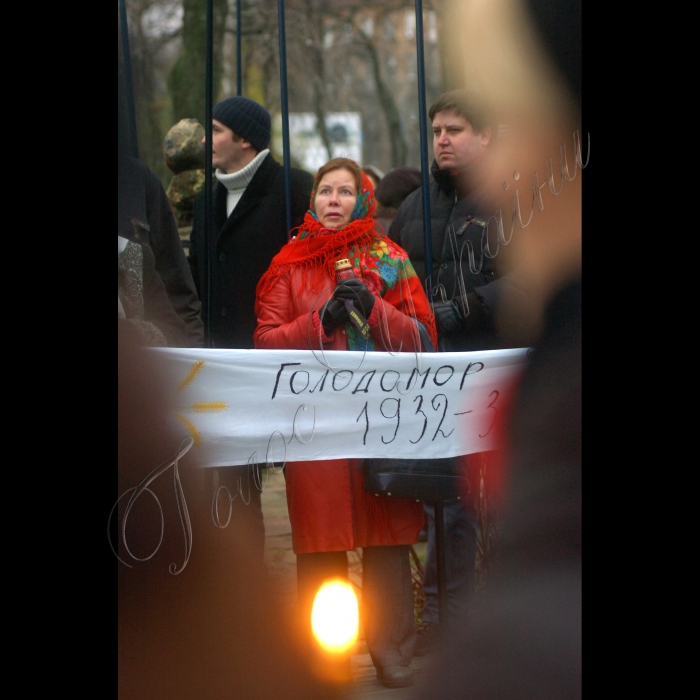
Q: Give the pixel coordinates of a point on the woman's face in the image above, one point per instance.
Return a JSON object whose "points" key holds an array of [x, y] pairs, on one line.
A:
{"points": [[335, 198]]}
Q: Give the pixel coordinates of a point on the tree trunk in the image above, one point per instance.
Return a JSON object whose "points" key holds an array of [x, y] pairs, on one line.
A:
{"points": [[319, 76], [320, 113], [399, 147], [187, 80], [148, 130]]}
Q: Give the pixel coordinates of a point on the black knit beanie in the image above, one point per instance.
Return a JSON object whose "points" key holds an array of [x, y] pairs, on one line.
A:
{"points": [[245, 118]]}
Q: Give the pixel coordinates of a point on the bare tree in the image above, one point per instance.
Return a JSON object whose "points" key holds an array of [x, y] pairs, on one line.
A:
{"points": [[153, 27], [336, 63], [386, 100], [187, 79], [313, 41]]}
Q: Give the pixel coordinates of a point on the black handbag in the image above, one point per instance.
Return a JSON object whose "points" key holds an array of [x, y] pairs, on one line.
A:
{"points": [[421, 479]]}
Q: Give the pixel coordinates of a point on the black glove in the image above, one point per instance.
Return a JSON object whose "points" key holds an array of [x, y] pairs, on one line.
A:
{"points": [[449, 316], [333, 315], [356, 291]]}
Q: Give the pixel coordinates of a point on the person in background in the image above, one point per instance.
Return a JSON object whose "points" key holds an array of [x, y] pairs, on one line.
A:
{"points": [[249, 228], [464, 296], [184, 156], [394, 187], [144, 217], [299, 306], [142, 299], [249, 220], [374, 174]]}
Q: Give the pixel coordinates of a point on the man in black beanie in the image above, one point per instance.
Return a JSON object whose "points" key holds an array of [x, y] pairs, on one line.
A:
{"points": [[248, 218], [248, 229]]}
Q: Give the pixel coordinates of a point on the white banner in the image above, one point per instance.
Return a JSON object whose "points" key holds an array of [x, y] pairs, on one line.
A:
{"points": [[264, 406]]}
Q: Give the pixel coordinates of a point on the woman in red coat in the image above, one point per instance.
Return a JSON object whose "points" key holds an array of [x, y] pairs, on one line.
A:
{"points": [[299, 306]]}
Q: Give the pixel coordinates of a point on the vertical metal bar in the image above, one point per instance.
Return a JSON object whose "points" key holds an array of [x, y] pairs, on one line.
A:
{"points": [[285, 119], [239, 60], [209, 90], [439, 519], [126, 51], [422, 112], [440, 560]]}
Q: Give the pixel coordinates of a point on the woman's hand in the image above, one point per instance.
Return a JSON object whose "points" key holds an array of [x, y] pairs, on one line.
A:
{"points": [[356, 291], [334, 314]]}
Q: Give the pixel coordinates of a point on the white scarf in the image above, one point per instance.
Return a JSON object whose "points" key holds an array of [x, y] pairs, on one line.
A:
{"points": [[236, 182]]}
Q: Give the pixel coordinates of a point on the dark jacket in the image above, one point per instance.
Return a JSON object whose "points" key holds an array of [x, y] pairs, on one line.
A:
{"points": [[458, 212], [244, 244], [145, 217], [143, 300]]}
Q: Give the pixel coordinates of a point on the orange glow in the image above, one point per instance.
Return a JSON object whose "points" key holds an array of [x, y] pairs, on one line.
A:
{"points": [[335, 616]]}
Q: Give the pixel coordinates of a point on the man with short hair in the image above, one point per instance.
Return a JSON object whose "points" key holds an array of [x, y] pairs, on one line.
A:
{"points": [[248, 229], [460, 205], [463, 302], [249, 219]]}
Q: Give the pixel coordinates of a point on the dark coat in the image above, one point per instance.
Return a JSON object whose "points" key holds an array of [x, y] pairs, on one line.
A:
{"points": [[144, 300], [451, 203], [244, 246], [145, 217]]}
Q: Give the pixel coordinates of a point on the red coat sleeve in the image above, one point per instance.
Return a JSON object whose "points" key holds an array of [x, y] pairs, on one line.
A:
{"points": [[392, 329], [280, 326], [392, 321]]}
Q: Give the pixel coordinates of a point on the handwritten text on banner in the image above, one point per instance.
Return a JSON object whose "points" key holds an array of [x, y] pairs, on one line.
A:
{"points": [[262, 406]]}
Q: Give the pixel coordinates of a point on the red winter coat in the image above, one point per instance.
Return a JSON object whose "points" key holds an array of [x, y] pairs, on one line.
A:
{"points": [[328, 508]]}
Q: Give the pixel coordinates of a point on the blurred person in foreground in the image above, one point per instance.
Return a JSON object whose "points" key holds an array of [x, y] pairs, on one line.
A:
{"points": [[466, 287], [299, 306], [219, 628], [523, 640]]}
